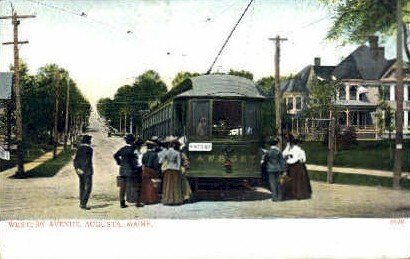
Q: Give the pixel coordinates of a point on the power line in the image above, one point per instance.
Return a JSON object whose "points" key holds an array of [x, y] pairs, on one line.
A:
{"points": [[80, 14], [229, 36]]}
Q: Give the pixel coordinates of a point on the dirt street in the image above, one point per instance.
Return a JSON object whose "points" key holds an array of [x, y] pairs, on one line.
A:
{"points": [[56, 197]]}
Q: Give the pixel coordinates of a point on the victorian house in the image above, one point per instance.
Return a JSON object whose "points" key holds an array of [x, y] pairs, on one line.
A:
{"points": [[367, 78]]}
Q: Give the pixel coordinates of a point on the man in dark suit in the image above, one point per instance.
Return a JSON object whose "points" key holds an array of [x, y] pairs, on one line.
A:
{"points": [[130, 171], [84, 168]]}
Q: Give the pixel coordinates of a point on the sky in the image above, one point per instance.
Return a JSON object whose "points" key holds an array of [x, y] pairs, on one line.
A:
{"points": [[118, 40]]}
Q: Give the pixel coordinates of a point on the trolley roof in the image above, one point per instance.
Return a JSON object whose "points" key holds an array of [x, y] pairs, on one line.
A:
{"points": [[221, 86]]}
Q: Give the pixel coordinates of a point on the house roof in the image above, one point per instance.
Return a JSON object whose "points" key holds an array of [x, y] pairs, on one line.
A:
{"points": [[363, 63], [300, 82], [216, 85]]}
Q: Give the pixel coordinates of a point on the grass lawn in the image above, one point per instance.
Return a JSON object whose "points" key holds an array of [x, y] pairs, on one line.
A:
{"points": [[367, 154], [31, 153], [52, 166], [357, 179]]}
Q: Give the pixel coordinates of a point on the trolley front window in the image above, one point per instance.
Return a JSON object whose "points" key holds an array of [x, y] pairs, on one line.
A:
{"points": [[200, 121], [226, 118]]}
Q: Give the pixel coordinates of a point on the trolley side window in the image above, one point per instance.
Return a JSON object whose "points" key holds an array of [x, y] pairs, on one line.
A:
{"points": [[180, 121], [226, 118], [200, 121]]}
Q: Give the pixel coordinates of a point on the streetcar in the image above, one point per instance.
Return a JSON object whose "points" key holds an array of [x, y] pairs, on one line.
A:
{"points": [[219, 118]]}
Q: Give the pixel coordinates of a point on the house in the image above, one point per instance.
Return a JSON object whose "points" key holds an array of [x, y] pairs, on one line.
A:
{"points": [[367, 78]]}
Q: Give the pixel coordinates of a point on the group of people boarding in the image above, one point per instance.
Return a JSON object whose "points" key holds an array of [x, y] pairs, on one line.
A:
{"points": [[156, 175], [287, 174]]}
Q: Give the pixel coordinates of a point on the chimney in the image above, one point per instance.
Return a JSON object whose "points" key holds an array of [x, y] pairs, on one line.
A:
{"points": [[373, 42], [317, 61]]}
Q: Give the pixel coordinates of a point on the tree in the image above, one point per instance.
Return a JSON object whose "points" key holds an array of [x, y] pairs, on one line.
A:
{"points": [[181, 76], [133, 100], [242, 73], [37, 93], [266, 86], [320, 104], [355, 20]]}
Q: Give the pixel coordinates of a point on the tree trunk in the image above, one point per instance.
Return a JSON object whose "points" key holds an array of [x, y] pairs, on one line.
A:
{"points": [[406, 46]]}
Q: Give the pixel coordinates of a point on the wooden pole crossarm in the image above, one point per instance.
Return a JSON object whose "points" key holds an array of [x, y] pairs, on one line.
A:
{"points": [[20, 42], [18, 17]]}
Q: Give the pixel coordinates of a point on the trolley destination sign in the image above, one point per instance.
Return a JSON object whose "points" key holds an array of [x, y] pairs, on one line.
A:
{"points": [[200, 147]]}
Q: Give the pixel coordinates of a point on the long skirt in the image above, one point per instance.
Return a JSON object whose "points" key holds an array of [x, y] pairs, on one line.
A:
{"points": [[186, 188], [172, 188], [149, 193], [299, 186]]}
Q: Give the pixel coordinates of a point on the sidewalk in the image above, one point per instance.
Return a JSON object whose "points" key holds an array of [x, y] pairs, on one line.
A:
{"points": [[33, 164], [345, 170]]}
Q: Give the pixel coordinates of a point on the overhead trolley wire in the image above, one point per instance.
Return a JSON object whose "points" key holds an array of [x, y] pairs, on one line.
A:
{"points": [[229, 36]]}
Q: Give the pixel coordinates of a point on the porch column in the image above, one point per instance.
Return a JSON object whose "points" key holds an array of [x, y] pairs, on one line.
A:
{"points": [[347, 89], [297, 126], [347, 117], [392, 92], [406, 120]]}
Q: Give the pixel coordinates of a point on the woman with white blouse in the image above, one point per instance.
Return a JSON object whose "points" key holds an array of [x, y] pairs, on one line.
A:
{"points": [[299, 186]]}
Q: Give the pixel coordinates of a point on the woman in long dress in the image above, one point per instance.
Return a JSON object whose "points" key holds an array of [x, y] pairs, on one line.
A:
{"points": [[150, 173], [172, 179], [186, 188], [299, 186]]}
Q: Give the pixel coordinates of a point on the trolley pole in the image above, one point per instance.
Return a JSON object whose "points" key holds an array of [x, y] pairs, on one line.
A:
{"points": [[278, 94], [19, 124], [399, 101], [67, 103]]}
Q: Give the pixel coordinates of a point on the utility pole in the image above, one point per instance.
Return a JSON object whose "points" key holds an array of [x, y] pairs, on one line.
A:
{"points": [[331, 147], [278, 94], [55, 128], [19, 124], [399, 101], [67, 102]]}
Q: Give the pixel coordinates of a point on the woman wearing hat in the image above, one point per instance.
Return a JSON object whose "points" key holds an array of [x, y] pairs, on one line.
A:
{"points": [[299, 186], [172, 179], [127, 180], [150, 172]]}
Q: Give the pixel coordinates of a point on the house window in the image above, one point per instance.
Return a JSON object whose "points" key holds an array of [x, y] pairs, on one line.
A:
{"points": [[408, 92], [407, 113], [289, 103], [353, 93], [342, 93], [386, 92], [298, 103]]}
